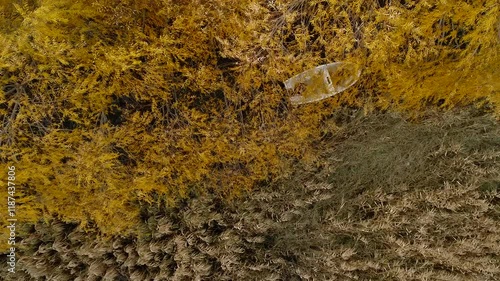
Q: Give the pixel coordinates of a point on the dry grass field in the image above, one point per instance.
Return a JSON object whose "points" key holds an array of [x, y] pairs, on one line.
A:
{"points": [[158, 140], [385, 198]]}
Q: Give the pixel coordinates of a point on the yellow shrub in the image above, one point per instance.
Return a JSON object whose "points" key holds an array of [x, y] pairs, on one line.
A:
{"points": [[111, 102]]}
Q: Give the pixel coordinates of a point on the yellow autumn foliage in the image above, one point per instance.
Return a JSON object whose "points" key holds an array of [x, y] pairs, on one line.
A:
{"points": [[107, 104]]}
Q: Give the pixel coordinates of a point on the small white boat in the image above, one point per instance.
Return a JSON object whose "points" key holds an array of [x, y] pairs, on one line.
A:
{"points": [[322, 81]]}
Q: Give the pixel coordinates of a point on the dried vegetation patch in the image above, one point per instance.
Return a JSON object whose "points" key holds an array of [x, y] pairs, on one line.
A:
{"points": [[387, 199]]}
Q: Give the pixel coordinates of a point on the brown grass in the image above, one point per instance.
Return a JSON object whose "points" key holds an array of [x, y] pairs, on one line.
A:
{"points": [[386, 199]]}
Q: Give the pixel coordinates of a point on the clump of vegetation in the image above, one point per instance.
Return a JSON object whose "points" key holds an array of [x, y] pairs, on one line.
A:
{"points": [[387, 200], [106, 105]]}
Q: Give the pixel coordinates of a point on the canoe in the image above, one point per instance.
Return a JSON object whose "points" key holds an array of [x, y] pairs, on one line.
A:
{"points": [[322, 82]]}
